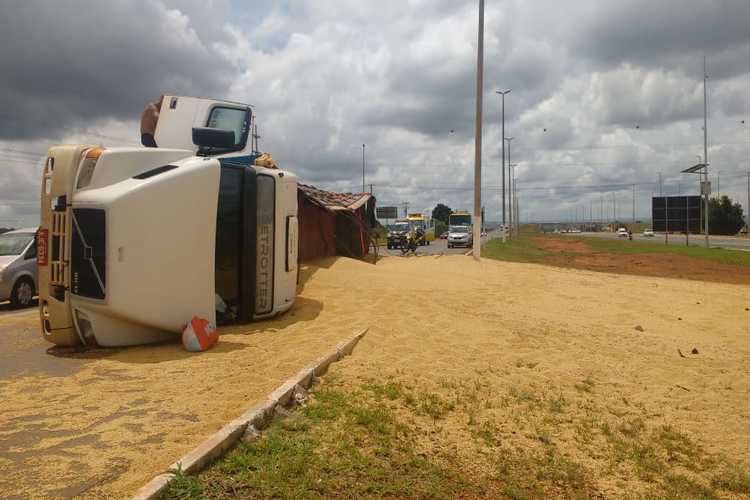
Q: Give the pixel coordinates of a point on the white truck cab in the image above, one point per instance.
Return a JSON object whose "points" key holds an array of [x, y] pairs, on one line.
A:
{"points": [[136, 241]]}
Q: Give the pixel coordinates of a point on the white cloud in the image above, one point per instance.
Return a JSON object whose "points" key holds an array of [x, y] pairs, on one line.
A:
{"points": [[326, 76]]}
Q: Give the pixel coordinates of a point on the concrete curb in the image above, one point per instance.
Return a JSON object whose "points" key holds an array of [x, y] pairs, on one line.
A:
{"points": [[249, 423]]}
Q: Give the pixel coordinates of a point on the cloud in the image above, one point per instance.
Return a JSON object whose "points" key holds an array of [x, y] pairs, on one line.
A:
{"points": [[67, 67], [605, 94]]}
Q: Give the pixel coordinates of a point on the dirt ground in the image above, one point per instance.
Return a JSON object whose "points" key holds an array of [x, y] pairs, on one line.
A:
{"points": [[102, 424], [578, 255]]}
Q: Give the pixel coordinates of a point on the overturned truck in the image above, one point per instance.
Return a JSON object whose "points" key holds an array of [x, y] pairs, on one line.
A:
{"points": [[133, 242]]}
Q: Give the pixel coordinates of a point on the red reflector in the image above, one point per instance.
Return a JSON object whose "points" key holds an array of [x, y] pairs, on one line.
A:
{"points": [[42, 247]]}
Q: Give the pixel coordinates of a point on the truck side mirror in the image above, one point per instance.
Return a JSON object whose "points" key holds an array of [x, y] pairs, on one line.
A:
{"points": [[213, 138]]}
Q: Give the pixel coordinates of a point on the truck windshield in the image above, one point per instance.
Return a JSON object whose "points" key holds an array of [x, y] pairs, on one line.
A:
{"points": [[400, 227], [14, 244], [228, 240]]}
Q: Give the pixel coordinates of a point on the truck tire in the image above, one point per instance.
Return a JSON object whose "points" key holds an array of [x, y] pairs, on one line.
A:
{"points": [[23, 292]]}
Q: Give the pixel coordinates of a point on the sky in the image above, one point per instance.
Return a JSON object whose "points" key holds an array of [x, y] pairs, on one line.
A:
{"points": [[605, 95]]}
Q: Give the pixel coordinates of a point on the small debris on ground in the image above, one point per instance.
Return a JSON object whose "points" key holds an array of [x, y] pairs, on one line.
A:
{"points": [[681, 355], [694, 351], [640, 328]]}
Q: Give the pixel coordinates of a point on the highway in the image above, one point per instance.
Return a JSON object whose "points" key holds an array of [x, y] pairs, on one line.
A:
{"points": [[436, 247], [728, 242]]}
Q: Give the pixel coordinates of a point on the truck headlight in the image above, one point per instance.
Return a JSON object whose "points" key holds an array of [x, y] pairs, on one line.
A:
{"points": [[87, 166]]}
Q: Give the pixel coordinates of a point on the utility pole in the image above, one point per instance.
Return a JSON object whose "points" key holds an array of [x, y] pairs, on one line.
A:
{"points": [[511, 195], [718, 184], [660, 184], [633, 203], [747, 208], [478, 137], [363, 168], [502, 94], [515, 200], [705, 141], [601, 211], [614, 208], [370, 188], [510, 189]]}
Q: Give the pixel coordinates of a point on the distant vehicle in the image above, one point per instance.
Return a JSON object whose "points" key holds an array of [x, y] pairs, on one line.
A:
{"points": [[622, 233], [459, 218], [484, 233], [444, 236], [648, 233], [18, 276], [397, 234], [460, 236], [418, 224]]}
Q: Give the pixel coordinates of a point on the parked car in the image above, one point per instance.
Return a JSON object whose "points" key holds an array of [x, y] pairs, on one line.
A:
{"points": [[444, 236], [622, 233], [18, 267], [648, 233]]}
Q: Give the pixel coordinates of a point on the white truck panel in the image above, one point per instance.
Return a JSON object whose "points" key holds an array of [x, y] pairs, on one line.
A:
{"points": [[115, 165], [158, 274]]}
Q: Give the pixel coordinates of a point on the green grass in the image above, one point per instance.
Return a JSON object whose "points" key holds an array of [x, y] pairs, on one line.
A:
{"points": [[387, 439], [337, 446], [724, 256], [524, 249], [521, 249]]}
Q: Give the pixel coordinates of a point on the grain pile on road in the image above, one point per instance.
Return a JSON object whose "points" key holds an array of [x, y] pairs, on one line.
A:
{"points": [[519, 337]]}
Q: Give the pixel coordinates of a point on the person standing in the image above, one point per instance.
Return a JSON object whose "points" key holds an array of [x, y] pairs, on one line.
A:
{"points": [[149, 119]]}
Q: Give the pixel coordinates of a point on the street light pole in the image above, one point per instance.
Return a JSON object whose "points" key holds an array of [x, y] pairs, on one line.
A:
{"points": [[502, 151], [478, 137], [363, 168]]}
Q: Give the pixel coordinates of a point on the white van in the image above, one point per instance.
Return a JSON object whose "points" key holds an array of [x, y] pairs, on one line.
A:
{"points": [[139, 240]]}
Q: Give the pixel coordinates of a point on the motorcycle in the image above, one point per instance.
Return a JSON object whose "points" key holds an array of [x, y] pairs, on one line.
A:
{"points": [[409, 243]]}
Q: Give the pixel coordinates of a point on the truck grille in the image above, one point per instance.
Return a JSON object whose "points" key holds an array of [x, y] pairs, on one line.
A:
{"points": [[58, 258], [88, 253]]}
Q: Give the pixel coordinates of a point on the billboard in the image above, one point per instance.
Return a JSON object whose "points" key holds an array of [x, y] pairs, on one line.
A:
{"points": [[386, 212], [676, 213]]}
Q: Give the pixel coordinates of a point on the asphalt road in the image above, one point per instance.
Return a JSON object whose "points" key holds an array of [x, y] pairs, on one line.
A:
{"points": [[8, 310], [728, 242], [437, 247]]}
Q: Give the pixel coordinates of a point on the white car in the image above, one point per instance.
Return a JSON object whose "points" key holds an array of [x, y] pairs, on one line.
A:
{"points": [[648, 233], [622, 233], [460, 236]]}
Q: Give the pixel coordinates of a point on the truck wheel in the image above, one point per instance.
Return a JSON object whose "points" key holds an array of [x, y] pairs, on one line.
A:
{"points": [[23, 292]]}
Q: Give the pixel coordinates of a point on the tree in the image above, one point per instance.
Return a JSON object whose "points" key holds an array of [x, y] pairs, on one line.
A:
{"points": [[725, 217], [441, 212]]}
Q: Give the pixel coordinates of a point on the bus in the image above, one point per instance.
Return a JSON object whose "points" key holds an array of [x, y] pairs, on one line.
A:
{"points": [[459, 218]]}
